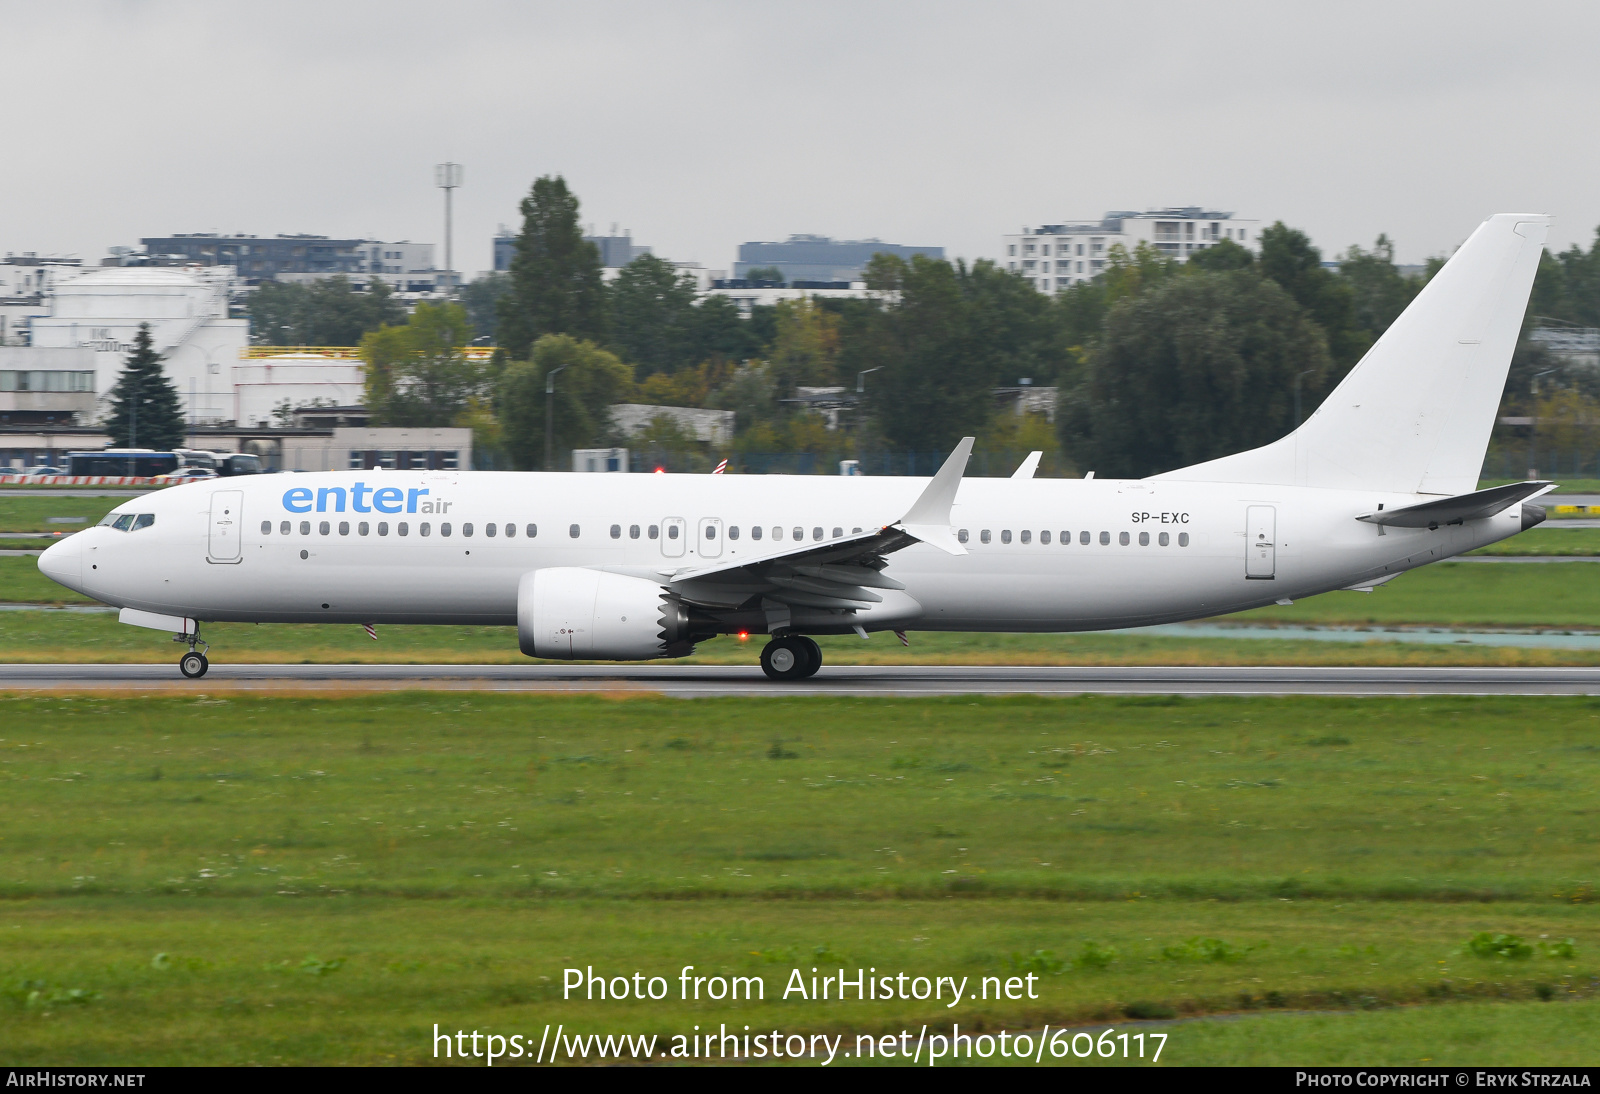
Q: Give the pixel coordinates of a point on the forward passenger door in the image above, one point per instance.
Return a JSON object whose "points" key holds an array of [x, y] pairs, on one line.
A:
{"points": [[227, 521]]}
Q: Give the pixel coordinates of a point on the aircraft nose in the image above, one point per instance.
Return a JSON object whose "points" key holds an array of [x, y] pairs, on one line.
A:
{"points": [[62, 562]]}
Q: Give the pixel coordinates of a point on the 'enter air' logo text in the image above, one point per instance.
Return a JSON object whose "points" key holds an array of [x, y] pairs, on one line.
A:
{"points": [[385, 499]]}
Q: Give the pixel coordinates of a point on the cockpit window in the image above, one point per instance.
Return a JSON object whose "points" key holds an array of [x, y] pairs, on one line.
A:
{"points": [[108, 520], [123, 522], [129, 522], [143, 520]]}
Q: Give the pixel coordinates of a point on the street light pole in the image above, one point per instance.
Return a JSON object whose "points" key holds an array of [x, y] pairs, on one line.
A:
{"points": [[1533, 419], [549, 416]]}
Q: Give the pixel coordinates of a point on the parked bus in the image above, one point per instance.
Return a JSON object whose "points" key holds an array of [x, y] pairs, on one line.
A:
{"points": [[148, 463]]}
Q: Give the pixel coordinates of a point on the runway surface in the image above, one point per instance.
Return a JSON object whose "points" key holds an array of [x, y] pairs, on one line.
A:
{"points": [[699, 681]]}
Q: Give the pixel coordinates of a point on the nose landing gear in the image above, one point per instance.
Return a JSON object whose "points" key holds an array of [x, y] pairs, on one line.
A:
{"points": [[791, 657], [194, 663]]}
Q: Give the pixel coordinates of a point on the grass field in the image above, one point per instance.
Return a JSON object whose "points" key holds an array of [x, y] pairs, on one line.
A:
{"points": [[324, 879]]}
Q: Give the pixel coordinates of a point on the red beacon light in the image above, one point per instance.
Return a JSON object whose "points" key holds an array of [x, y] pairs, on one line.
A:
{"points": [[744, 636], [661, 470]]}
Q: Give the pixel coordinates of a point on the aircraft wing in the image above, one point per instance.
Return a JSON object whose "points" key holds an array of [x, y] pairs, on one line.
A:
{"points": [[839, 574]]}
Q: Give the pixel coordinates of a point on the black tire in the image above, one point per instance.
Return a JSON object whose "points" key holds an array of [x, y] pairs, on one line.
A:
{"points": [[787, 658], [813, 655], [194, 665]]}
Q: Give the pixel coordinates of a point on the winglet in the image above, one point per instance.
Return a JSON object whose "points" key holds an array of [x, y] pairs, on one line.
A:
{"points": [[929, 516], [1029, 466]]}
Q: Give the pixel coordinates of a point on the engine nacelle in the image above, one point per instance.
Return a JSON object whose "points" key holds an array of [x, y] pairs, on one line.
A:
{"points": [[572, 614]]}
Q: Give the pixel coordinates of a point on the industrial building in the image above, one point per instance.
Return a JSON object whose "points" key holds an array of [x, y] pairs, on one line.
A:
{"points": [[1056, 256], [405, 265], [821, 260]]}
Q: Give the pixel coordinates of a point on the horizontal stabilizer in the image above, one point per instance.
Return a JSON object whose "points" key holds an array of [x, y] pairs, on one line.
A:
{"points": [[1462, 507]]}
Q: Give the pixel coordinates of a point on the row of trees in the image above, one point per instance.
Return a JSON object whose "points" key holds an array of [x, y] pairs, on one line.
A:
{"points": [[1158, 363]]}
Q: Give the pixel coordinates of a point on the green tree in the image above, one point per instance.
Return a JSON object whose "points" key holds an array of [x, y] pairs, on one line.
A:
{"points": [[718, 330], [806, 348], [590, 381], [417, 374], [145, 409], [1225, 254], [481, 298], [555, 274], [1197, 367], [1379, 292], [652, 315], [764, 273], [1288, 258], [327, 312], [935, 376]]}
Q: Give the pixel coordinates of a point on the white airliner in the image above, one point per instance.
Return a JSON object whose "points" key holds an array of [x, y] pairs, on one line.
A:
{"points": [[1380, 480]]}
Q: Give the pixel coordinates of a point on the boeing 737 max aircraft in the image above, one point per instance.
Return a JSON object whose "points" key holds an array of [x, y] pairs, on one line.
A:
{"points": [[1380, 480]]}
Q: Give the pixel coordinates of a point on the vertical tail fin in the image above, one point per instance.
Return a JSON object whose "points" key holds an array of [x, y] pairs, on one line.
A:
{"points": [[1415, 413]]}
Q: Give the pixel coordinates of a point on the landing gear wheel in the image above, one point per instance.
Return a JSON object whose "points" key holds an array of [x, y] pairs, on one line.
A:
{"points": [[193, 665], [813, 654], [792, 657]]}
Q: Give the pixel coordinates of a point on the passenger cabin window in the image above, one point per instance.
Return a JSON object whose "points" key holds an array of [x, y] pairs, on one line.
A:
{"points": [[266, 527], [403, 528], [1164, 539], [1083, 537], [491, 530], [511, 531], [1122, 538], [733, 531], [324, 528], [532, 530], [816, 533], [573, 530], [305, 528], [755, 533], [1105, 539], [633, 531], [777, 534], [444, 528], [1144, 539], [1005, 535], [983, 536], [466, 530], [837, 532], [672, 531], [363, 528], [1044, 537], [655, 531], [799, 533], [383, 527], [285, 528], [424, 529], [1026, 535], [616, 531], [962, 535], [1183, 539], [711, 531], [344, 528]]}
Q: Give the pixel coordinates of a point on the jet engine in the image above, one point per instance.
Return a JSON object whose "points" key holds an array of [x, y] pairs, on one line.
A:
{"points": [[572, 614]]}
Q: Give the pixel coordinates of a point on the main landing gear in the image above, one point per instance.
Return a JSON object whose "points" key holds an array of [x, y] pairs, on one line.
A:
{"points": [[193, 664], [792, 657]]}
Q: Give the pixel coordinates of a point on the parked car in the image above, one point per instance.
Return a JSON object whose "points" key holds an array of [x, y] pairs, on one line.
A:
{"points": [[42, 472]]}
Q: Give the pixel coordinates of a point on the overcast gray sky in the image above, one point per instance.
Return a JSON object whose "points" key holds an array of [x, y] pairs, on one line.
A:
{"points": [[702, 125]]}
